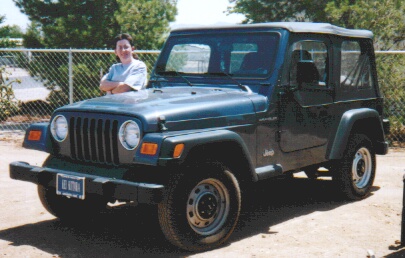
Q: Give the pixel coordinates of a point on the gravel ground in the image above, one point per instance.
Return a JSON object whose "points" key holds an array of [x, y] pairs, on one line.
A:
{"points": [[284, 218]]}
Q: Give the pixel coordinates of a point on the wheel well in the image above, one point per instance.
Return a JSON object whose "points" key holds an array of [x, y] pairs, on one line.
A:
{"points": [[369, 127], [366, 124], [229, 153]]}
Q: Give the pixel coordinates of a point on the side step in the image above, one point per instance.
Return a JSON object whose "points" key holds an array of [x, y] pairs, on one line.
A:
{"points": [[269, 171]]}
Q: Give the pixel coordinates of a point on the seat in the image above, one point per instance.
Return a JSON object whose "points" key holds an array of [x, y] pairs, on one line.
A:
{"points": [[300, 55], [310, 69]]}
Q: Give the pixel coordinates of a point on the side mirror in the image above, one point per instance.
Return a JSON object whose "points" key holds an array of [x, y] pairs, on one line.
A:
{"points": [[307, 72]]}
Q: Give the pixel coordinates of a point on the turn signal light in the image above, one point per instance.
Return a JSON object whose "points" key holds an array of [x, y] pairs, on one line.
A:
{"points": [[178, 150], [149, 148], [34, 135]]}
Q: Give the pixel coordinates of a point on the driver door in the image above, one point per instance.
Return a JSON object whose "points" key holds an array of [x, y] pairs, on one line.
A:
{"points": [[305, 108]]}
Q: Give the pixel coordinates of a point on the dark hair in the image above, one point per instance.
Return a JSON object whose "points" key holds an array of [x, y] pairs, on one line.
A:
{"points": [[127, 37]]}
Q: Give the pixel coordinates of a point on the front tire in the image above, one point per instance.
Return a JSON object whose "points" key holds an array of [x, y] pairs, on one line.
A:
{"points": [[201, 208], [357, 168], [70, 209]]}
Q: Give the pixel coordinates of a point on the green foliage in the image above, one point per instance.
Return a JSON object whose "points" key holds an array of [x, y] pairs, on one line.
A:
{"points": [[92, 24], [72, 23], [146, 20], [13, 31], [7, 43], [7, 32], [32, 38], [275, 10], [8, 104], [386, 18]]}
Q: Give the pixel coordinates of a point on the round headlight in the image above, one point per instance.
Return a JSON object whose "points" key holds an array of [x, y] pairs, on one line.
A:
{"points": [[59, 128], [129, 135]]}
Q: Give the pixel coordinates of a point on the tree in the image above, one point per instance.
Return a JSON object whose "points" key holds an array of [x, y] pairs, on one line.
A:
{"points": [[386, 18], [7, 32], [147, 20], [72, 23], [93, 23], [275, 10], [11, 31], [32, 37]]}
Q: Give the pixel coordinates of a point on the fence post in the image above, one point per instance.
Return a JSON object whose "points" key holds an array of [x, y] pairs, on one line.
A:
{"points": [[403, 214], [70, 76]]}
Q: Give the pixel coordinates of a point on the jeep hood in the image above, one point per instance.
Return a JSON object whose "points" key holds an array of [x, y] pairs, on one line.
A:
{"points": [[183, 107]]}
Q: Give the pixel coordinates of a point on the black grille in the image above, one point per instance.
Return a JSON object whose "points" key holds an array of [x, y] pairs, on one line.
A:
{"points": [[94, 140]]}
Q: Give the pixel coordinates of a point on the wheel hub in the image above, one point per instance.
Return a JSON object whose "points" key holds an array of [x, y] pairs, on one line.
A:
{"points": [[207, 206], [361, 169]]}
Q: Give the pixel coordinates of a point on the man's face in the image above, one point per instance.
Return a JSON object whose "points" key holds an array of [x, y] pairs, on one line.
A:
{"points": [[124, 50]]}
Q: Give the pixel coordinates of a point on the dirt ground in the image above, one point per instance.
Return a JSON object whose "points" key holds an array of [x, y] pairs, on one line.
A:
{"points": [[284, 218]]}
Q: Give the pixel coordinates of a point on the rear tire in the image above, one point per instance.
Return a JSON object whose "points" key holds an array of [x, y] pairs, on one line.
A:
{"points": [[357, 168], [201, 208]]}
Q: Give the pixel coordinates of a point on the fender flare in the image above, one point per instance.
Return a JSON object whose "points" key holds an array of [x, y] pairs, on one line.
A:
{"points": [[192, 139], [347, 123]]}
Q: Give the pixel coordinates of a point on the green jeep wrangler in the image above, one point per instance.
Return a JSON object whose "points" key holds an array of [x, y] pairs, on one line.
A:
{"points": [[225, 108]]}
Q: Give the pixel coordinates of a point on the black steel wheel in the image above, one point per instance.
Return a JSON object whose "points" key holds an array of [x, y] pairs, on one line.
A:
{"points": [[201, 207]]}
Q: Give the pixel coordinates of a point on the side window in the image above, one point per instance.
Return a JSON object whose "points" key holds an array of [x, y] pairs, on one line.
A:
{"points": [[355, 70], [309, 63]]}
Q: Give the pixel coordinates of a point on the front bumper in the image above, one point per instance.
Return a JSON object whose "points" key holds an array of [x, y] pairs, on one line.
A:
{"points": [[110, 188]]}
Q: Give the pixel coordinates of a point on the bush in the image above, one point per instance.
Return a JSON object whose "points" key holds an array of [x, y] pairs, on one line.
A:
{"points": [[8, 104]]}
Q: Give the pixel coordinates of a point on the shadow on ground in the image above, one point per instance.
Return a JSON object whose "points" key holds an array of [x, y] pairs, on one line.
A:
{"points": [[125, 231]]}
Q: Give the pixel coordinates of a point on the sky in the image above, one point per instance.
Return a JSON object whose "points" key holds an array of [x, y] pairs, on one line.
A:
{"points": [[189, 12], [13, 14]]}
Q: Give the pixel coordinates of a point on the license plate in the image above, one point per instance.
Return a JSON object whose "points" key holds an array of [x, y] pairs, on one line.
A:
{"points": [[71, 186]]}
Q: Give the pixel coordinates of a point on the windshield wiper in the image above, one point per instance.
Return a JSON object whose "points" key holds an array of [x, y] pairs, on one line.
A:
{"points": [[176, 74], [240, 85]]}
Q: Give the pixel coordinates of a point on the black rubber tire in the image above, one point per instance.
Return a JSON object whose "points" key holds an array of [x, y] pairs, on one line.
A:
{"points": [[354, 174], [201, 207], [70, 209]]}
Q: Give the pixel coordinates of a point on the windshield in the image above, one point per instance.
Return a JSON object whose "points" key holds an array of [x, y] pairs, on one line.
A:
{"points": [[236, 54]]}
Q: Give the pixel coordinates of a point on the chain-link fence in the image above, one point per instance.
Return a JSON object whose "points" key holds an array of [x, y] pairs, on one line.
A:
{"points": [[391, 76], [33, 82], [36, 81]]}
